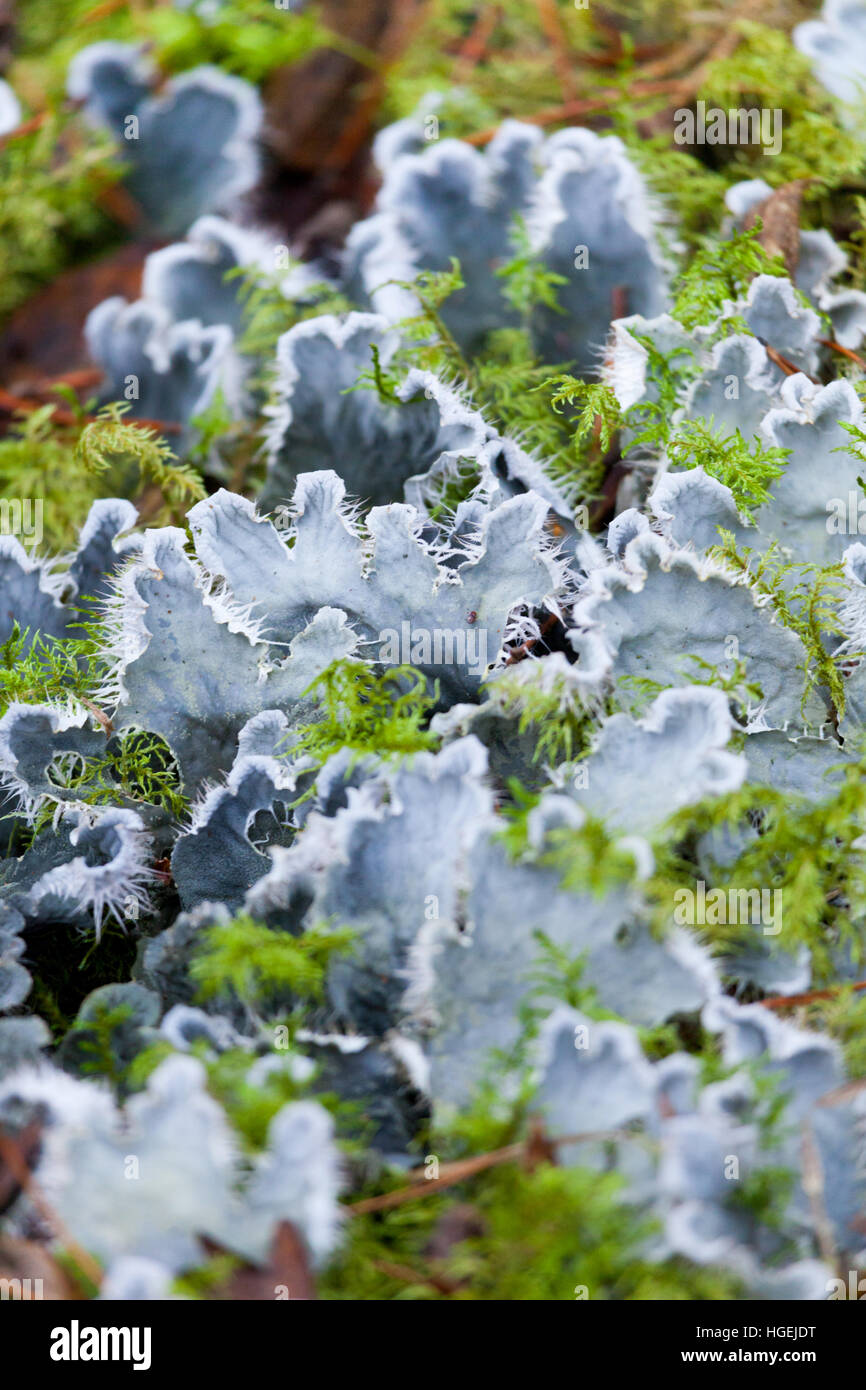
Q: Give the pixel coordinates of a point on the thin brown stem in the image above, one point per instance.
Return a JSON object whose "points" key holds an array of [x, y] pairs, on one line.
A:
{"points": [[791, 1001], [845, 352], [681, 89], [17, 1165], [450, 1173], [555, 35], [21, 405], [783, 363], [573, 110], [472, 52], [28, 127], [407, 1275]]}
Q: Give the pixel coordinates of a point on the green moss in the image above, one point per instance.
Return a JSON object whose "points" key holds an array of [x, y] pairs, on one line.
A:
{"points": [[137, 768], [50, 181], [549, 711], [267, 313], [767, 71], [241, 36], [47, 37], [804, 599], [539, 1232], [722, 270], [842, 1016], [382, 714], [802, 849], [589, 858], [68, 466], [256, 964], [748, 469], [36, 669]]}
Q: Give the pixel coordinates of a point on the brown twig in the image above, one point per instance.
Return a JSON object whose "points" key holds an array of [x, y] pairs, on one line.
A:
{"points": [[681, 89], [28, 127], [610, 57], [658, 60], [407, 1275], [16, 1164], [79, 380], [572, 110], [790, 1001], [450, 1173], [555, 34], [473, 50], [111, 197], [674, 59], [108, 7], [15, 405], [846, 352], [783, 363]]}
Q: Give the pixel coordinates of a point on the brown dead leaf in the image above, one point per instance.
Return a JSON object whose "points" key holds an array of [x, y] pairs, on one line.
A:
{"points": [[539, 1148], [320, 111], [285, 1276], [33, 1273], [44, 337]]}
